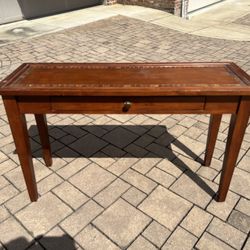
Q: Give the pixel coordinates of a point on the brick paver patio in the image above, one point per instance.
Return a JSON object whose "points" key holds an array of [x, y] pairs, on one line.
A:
{"points": [[123, 181]]}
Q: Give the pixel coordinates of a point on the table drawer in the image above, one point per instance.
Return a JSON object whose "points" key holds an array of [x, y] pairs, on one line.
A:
{"points": [[132, 105]]}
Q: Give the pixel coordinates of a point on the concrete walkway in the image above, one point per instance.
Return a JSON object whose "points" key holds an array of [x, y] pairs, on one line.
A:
{"points": [[219, 21]]}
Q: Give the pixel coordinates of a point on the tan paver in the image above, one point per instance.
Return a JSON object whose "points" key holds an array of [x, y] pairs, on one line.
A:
{"points": [[73, 167], [3, 182], [7, 165], [134, 196], [165, 207], [7, 192], [15, 176], [145, 164], [4, 214], [39, 217], [140, 244], [14, 235], [92, 179], [196, 221], [196, 146], [223, 209], [139, 181], [161, 177], [247, 246], [207, 172], [121, 165], [244, 206], [240, 182], [156, 233], [49, 183], [69, 194], [171, 168], [180, 239], [191, 187], [111, 193], [3, 157], [209, 242], [122, 222], [18, 202], [183, 162], [81, 218], [92, 239]]}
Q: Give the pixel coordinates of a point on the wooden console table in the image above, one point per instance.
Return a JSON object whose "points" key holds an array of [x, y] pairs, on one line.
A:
{"points": [[135, 88]]}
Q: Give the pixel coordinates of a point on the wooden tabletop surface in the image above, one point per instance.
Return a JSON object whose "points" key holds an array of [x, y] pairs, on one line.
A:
{"points": [[119, 79]]}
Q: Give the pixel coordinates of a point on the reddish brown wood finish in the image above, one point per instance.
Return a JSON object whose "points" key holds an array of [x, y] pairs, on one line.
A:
{"points": [[236, 133], [213, 130], [126, 79], [19, 131], [44, 138], [136, 88]]}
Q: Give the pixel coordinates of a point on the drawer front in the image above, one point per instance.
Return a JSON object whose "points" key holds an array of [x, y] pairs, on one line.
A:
{"points": [[130, 105], [222, 104]]}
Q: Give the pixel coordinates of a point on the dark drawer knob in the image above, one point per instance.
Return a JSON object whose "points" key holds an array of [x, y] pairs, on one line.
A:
{"points": [[126, 106]]}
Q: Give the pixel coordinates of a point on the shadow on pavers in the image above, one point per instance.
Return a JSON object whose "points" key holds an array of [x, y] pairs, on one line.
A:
{"points": [[82, 140], [64, 242]]}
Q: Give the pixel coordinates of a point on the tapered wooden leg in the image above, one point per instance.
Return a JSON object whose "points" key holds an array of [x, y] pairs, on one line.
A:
{"points": [[213, 130], [44, 138], [18, 127], [236, 133]]}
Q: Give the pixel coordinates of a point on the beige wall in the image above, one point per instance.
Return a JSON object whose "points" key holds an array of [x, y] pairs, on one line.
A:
{"points": [[197, 4]]}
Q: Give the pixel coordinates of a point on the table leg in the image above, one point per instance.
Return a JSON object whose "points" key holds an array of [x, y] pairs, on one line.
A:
{"points": [[213, 130], [236, 133], [44, 138], [20, 135]]}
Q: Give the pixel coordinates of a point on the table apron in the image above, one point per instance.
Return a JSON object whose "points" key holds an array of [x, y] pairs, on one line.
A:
{"points": [[128, 104]]}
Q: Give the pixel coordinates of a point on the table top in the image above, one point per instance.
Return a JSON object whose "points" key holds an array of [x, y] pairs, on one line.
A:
{"points": [[132, 79]]}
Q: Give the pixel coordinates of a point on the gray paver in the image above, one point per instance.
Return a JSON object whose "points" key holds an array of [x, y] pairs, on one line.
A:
{"points": [[227, 233], [240, 221]]}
